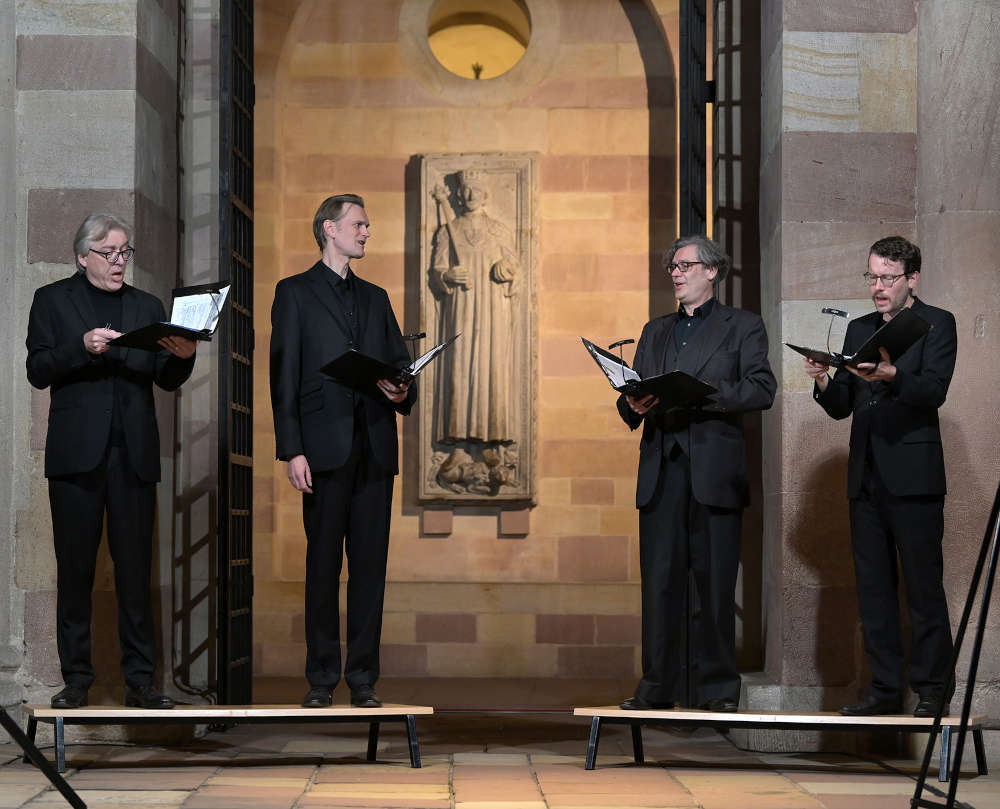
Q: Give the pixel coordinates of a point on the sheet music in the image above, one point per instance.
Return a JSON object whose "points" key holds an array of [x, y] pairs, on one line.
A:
{"points": [[615, 371], [198, 312], [418, 364]]}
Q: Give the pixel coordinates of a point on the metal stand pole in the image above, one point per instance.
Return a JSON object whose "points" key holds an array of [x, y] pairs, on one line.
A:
{"points": [[991, 548], [36, 757]]}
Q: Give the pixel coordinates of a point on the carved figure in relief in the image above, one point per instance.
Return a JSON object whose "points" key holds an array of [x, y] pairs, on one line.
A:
{"points": [[475, 272]]}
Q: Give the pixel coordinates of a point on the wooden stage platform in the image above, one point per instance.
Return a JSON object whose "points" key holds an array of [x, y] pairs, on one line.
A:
{"points": [[683, 717], [226, 715]]}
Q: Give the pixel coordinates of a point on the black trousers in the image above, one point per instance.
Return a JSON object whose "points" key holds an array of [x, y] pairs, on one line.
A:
{"points": [[79, 503], [884, 527], [678, 534], [349, 509]]}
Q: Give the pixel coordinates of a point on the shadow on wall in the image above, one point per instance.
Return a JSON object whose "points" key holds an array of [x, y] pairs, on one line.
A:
{"points": [[822, 644], [654, 50]]}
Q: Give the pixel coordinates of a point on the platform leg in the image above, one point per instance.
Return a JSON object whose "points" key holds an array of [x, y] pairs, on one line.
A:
{"points": [[372, 740], [637, 753], [36, 757], [944, 766], [595, 739], [59, 733], [32, 728], [977, 740], [411, 738]]}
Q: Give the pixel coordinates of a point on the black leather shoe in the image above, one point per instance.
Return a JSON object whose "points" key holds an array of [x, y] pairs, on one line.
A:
{"points": [[70, 697], [639, 704], [873, 706], [720, 705], [364, 696], [318, 696], [146, 696], [927, 709]]}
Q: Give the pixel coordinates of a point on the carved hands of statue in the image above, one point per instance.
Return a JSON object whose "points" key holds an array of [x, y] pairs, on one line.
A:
{"points": [[440, 194], [506, 271], [456, 276]]}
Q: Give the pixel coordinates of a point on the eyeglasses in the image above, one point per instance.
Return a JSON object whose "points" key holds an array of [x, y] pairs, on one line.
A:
{"points": [[112, 256], [887, 280], [683, 266]]}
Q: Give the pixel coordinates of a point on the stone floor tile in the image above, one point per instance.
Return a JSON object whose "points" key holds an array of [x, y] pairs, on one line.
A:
{"points": [[847, 774], [328, 745], [433, 773], [866, 802], [849, 786], [981, 796], [321, 802], [115, 797], [492, 792], [145, 778], [648, 800], [239, 780], [724, 790], [491, 759], [384, 790], [17, 773], [504, 804], [304, 771], [555, 759], [243, 797], [13, 795]]}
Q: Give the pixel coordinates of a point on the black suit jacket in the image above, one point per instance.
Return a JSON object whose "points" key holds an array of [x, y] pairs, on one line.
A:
{"points": [[313, 415], [82, 384], [900, 418], [729, 351]]}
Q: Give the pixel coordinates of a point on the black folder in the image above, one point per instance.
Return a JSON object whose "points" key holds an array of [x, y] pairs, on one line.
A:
{"points": [[674, 389], [895, 336], [360, 372], [146, 338]]}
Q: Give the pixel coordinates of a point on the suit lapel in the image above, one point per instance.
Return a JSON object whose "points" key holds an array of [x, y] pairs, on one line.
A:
{"points": [[706, 340], [658, 350], [363, 294], [77, 294], [130, 316]]}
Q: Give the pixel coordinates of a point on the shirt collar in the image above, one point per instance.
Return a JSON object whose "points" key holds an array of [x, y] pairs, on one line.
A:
{"points": [[701, 312], [347, 282]]}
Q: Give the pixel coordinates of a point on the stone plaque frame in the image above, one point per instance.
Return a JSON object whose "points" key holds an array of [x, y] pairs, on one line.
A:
{"points": [[478, 471]]}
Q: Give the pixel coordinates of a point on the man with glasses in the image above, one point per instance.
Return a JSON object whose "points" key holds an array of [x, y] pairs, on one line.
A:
{"points": [[896, 484], [692, 481], [102, 450]]}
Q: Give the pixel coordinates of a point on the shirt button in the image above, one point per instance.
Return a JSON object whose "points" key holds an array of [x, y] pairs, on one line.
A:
{"points": [[873, 402]]}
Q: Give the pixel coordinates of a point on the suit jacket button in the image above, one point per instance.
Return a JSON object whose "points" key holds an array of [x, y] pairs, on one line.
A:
{"points": [[873, 402]]}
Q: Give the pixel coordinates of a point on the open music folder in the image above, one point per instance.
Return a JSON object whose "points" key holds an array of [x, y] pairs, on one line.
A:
{"points": [[194, 314], [361, 373], [895, 336], [674, 389]]}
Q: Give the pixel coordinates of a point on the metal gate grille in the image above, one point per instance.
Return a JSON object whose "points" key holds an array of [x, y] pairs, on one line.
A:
{"points": [[236, 352], [693, 95]]}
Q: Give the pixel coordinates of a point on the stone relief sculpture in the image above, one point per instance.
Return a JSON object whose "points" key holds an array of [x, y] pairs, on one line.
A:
{"points": [[477, 254]]}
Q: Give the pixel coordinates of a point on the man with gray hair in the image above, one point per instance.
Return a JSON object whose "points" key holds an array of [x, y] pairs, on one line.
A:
{"points": [[102, 451], [692, 481]]}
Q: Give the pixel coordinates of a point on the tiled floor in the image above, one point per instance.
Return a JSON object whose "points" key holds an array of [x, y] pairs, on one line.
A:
{"points": [[470, 762]]}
